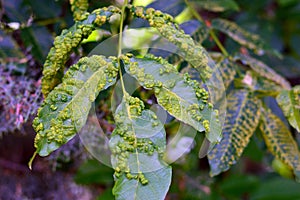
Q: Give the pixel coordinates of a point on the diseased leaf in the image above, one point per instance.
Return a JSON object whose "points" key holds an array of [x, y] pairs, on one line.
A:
{"points": [[263, 70], [289, 101], [241, 36], [65, 109], [69, 39], [160, 180], [172, 7], [280, 142], [179, 95], [137, 144], [193, 53], [196, 29], [243, 111], [217, 5], [79, 9]]}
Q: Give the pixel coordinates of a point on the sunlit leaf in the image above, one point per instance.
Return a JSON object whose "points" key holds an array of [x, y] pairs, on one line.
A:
{"points": [[181, 97], [280, 141], [137, 146], [193, 53], [289, 102], [243, 111], [66, 41], [65, 109]]}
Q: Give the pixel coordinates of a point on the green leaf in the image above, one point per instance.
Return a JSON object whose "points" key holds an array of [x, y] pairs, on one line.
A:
{"points": [[263, 70], [64, 44], [289, 102], [160, 180], [241, 121], [178, 95], [280, 141], [196, 29], [137, 145], [228, 71], [256, 83], [217, 5], [193, 53], [79, 9], [241, 36], [65, 109]]}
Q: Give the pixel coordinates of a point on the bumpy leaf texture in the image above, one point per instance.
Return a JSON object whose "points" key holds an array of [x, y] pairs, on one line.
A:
{"points": [[137, 144], [66, 108], [179, 95], [69, 39]]}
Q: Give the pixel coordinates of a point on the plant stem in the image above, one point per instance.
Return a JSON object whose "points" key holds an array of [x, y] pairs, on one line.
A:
{"points": [[211, 32], [120, 43]]}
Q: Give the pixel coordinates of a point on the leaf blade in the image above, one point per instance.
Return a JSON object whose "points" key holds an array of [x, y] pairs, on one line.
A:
{"points": [[65, 109], [240, 124], [289, 102], [280, 142], [241, 36], [217, 5], [137, 154], [181, 97]]}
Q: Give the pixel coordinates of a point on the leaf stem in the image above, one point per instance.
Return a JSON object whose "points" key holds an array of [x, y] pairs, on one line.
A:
{"points": [[120, 44], [211, 32]]}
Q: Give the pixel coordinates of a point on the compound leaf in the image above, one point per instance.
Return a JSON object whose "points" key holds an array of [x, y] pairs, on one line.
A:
{"points": [[137, 144], [179, 95], [289, 102], [241, 36], [243, 111], [65, 109], [280, 142]]}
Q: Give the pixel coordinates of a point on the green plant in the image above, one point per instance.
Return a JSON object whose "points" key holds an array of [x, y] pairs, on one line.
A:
{"points": [[137, 156]]}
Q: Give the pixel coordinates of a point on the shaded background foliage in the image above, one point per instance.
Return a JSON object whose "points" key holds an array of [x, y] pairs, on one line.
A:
{"points": [[26, 35]]}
